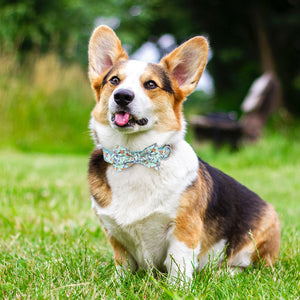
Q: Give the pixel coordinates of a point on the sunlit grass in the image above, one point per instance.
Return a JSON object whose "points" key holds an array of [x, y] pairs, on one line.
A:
{"points": [[52, 246]]}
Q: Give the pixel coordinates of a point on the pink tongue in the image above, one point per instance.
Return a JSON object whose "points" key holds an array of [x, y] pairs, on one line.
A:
{"points": [[122, 118]]}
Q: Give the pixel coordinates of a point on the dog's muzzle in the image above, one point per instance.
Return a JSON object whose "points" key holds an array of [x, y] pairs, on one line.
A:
{"points": [[123, 117]]}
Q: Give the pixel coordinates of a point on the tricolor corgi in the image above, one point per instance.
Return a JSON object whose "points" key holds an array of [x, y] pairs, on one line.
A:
{"points": [[159, 204]]}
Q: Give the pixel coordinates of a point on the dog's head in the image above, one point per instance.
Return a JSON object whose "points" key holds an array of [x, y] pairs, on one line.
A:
{"points": [[134, 96]]}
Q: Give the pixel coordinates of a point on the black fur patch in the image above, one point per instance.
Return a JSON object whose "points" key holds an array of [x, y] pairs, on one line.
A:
{"points": [[97, 165], [106, 77], [232, 208]]}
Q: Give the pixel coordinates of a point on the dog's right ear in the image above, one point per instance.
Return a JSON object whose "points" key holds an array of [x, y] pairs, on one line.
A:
{"points": [[104, 51]]}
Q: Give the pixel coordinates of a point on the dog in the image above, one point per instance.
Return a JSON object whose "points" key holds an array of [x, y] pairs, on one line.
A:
{"points": [[160, 205]]}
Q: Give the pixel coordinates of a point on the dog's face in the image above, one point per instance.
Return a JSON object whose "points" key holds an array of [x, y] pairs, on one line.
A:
{"points": [[134, 96]]}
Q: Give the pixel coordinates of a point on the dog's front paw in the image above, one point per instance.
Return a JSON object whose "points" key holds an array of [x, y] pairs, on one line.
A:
{"points": [[119, 274], [181, 267], [179, 281], [179, 274]]}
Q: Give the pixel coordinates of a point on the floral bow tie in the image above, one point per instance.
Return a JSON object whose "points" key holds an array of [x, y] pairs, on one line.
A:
{"points": [[121, 158]]}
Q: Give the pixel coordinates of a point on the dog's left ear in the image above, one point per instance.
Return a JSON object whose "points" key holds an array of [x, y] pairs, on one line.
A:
{"points": [[105, 50], [186, 63]]}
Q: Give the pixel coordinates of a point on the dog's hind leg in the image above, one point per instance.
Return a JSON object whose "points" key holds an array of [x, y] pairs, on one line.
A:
{"points": [[267, 237], [263, 243]]}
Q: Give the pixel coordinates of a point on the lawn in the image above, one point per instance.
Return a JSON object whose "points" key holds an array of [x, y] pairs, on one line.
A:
{"points": [[52, 246]]}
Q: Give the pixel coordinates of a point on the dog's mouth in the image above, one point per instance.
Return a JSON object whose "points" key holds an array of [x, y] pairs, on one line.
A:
{"points": [[125, 119]]}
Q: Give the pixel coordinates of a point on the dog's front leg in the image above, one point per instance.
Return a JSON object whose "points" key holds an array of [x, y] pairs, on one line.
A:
{"points": [[181, 261], [123, 259]]}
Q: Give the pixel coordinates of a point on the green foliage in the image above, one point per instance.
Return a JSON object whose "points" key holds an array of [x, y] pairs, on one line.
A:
{"points": [[45, 106], [51, 244], [60, 26], [233, 29]]}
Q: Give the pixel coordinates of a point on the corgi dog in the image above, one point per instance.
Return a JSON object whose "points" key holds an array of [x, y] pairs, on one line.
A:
{"points": [[159, 204]]}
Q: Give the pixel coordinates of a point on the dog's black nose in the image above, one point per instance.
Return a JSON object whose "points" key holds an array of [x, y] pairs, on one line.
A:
{"points": [[123, 97]]}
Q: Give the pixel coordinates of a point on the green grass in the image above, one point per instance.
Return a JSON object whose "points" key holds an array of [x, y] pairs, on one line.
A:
{"points": [[51, 244]]}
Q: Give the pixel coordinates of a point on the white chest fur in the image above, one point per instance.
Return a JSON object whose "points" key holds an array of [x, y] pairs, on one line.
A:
{"points": [[144, 204]]}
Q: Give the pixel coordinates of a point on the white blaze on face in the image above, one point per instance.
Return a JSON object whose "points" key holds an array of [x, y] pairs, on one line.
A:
{"points": [[141, 105]]}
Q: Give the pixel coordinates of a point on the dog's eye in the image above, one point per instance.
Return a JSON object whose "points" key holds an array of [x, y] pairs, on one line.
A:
{"points": [[150, 85], [114, 80]]}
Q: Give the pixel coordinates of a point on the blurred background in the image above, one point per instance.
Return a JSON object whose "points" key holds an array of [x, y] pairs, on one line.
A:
{"points": [[45, 96]]}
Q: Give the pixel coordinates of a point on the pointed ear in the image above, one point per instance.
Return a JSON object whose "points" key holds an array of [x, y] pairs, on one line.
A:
{"points": [[186, 63], [104, 51]]}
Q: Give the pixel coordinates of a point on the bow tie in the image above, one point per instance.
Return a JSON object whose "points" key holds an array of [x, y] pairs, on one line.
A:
{"points": [[121, 158]]}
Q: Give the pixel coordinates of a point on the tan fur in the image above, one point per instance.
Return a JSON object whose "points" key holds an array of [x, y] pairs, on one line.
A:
{"points": [[189, 220], [209, 236], [100, 112], [99, 187], [167, 120], [168, 107], [186, 64], [188, 223], [101, 191], [267, 237], [120, 252]]}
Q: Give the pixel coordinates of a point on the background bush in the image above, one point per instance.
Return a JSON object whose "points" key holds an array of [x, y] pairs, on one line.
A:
{"points": [[45, 105], [246, 38]]}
